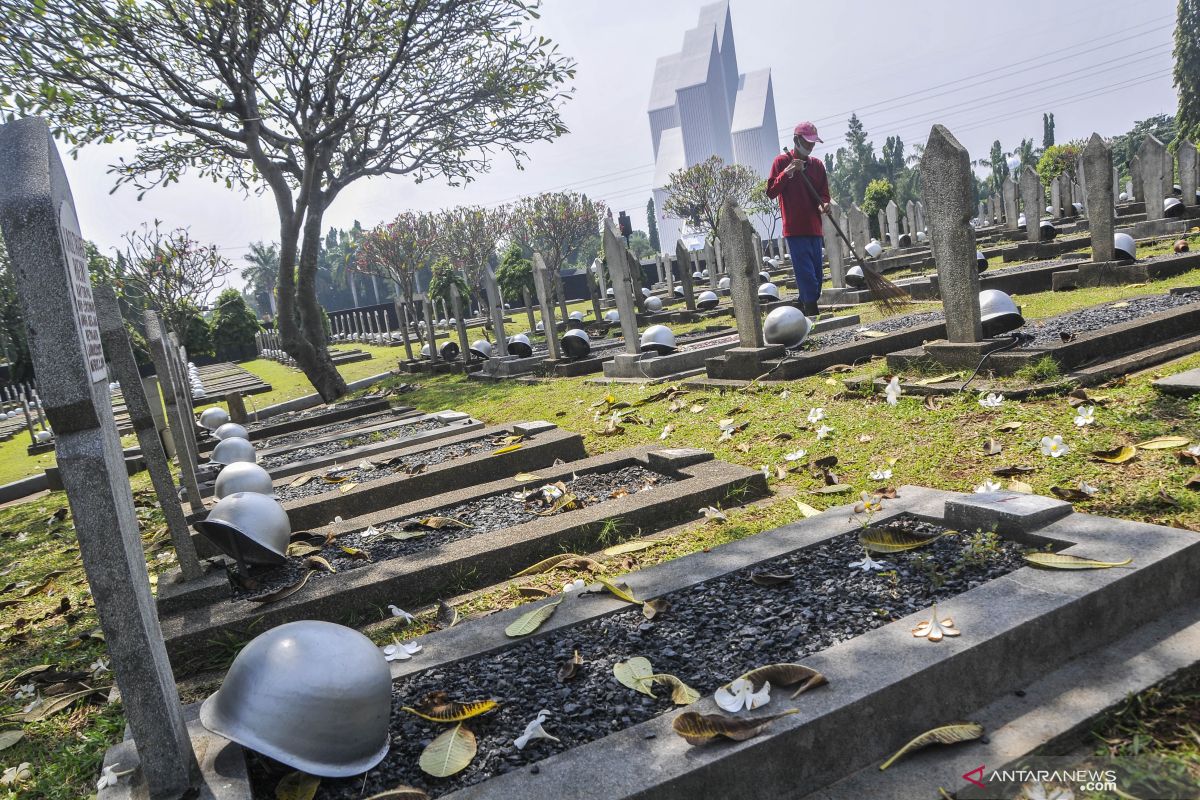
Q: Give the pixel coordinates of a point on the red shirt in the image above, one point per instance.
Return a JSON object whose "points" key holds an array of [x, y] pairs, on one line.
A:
{"points": [[801, 216]]}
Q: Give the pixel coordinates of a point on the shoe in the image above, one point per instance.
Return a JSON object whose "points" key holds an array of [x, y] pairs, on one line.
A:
{"points": [[810, 309]]}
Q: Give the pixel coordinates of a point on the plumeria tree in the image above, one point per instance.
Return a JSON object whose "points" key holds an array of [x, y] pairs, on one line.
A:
{"points": [[555, 224], [399, 249], [468, 237], [298, 100], [698, 193]]}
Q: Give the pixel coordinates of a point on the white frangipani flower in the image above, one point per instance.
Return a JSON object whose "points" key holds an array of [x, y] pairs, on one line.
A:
{"points": [[795, 455], [1053, 446], [785, 394], [1088, 489], [1085, 415], [893, 391], [1194, 449], [989, 486], [110, 777], [98, 667], [401, 651], [741, 695], [400, 612], [37, 703], [991, 400], [28, 690], [534, 730], [867, 564], [815, 415], [881, 474], [576, 585], [824, 431]]}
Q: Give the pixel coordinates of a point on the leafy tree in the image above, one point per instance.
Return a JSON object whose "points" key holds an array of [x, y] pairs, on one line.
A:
{"points": [[192, 328], [764, 209], [1047, 130], [233, 323], [515, 274], [1125, 146], [399, 249], [998, 162], [639, 245], [297, 99], [444, 276], [879, 193], [652, 225], [1187, 69], [1059, 159], [698, 193], [1025, 152], [262, 274], [555, 224], [468, 236], [893, 159]]}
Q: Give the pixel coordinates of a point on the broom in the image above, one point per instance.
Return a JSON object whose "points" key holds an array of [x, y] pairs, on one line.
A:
{"points": [[889, 298]]}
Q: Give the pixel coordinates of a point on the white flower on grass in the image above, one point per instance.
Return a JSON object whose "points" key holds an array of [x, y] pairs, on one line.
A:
{"points": [[1194, 449], [1039, 791], [824, 431], [713, 514], [991, 400], [401, 651], [18, 774], [868, 503], [576, 585], [785, 394], [741, 695], [37, 703], [1088, 489], [881, 474], [795, 455], [989, 486], [400, 612], [110, 777], [1053, 446], [815, 415], [1085, 415], [28, 690], [534, 730], [893, 391], [98, 668], [867, 564]]}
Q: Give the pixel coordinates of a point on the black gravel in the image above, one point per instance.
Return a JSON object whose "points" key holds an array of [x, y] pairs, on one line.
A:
{"points": [[850, 334], [404, 465], [299, 454], [1048, 332], [483, 515], [711, 633], [308, 434]]}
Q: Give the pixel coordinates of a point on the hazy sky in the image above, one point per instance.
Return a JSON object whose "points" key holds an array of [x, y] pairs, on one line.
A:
{"points": [[1099, 65]]}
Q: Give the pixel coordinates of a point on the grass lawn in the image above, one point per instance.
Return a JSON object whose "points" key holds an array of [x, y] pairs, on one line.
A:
{"points": [[940, 447]]}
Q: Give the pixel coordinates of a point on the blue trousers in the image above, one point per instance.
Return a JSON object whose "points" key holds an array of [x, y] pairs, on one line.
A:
{"points": [[806, 262]]}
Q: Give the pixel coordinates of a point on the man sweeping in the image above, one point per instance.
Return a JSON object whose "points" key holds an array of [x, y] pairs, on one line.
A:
{"points": [[802, 207]]}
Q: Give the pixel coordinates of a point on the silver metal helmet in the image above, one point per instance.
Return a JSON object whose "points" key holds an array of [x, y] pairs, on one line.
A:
{"points": [[874, 249], [519, 346], [855, 278], [540, 327], [233, 451], [723, 285], [579, 315], [980, 260], [1124, 245], [249, 527], [231, 430], [706, 300], [481, 348], [998, 313], [768, 292], [425, 350], [697, 275], [1077, 208], [1172, 207], [905, 240], [920, 236], [576, 344], [764, 277], [704, 274], [1021, 222], [613, 315], [1123, 197], [679, 291], [213, 418], [448, 350], [316, 696], [654, 305], [1048, 230], [658, 339], [610, 293], [242, 476], [787, 326], [645, 292]]}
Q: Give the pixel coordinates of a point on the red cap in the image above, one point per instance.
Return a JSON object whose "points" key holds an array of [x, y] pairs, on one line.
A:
{"points": [[808, 131]]}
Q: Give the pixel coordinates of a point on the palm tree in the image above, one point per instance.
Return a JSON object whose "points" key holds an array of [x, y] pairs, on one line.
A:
{"points": [[262, 273]]}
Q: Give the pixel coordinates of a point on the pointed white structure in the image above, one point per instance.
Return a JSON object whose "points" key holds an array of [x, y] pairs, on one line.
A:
{"points": [[701, 106]]}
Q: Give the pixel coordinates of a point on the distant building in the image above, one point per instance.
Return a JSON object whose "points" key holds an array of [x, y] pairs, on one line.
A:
{"points": [[700, 106]]}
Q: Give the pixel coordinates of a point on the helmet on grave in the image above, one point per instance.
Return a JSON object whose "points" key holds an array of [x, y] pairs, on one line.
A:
{"points": [[448, 350], [1124, 246], [576, 344], [1180, 246], [768, 292], [248, 525], [481, 348], [242, 476], [540, 327], [519, 346], [658, 339], [653, 305], [998, 313], [609, 292], [1123, 197], [1077, 208], [706, 300], [920, 236], [697, 275], [1172, 207], [905, 240], [576, 315], [613, 315], [213, 418], [645, 292], [231, 430], [314, 695], [980, 260], [1021, 220], [855, 278], [874, 249], [723, 285], [679, 292], [787, 326], [1048, 230], [233, 451], [764, 277]]}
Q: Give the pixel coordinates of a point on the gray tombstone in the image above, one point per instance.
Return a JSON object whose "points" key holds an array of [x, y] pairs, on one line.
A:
{"points": [[833, 247], [623, 288], [402, 316], [881, 221], [460, 324], [860, 232], [179, 418], [683, 262], [46, 246], [541, 282], [492, 290], [710, 257], [920, 207], [528, 301], [892, 212], [983, 210], [1056, 197], [1008, 194], [116, 344], [735, 231], [1066, 190], [1187, 172], [844, 222], [910, 214], [1080, 189], [603, 280], [1138, 192], [758, 252], [946, 178], [1152, 156], [1116, 184], [431, 329], [1033, 199], [1097, 168], [668, 276]]}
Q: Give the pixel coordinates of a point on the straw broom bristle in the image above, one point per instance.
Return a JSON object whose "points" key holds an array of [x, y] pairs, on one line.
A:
{"points": [[887, 296]]}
